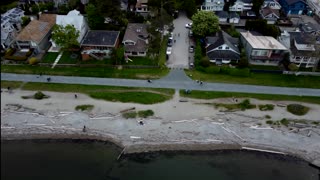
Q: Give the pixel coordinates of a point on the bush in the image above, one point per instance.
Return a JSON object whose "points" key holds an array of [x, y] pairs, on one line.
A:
{"points": [[16, 58], [297, 109], [128, 115], [269, 122], [84, 107], [267, 116], [284, 121], [33, 60], [225, 70], [9, 52], [266, 107], [145, 113], [204, 62], [245, 104], [39, 95]]}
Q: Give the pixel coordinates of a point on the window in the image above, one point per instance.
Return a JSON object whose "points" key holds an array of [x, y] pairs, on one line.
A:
{"points": [[227, 47], [134, 53], [220, 47]]}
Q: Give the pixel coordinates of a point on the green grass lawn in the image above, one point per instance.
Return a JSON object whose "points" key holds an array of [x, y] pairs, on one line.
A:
{"points": [[216, 94], [109, 93], [11, 84], [50, 57], [261, 67], [142, 61], [87, 71], [260, 79]]}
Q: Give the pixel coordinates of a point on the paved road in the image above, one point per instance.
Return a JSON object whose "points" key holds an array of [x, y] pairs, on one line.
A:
{"points": [[176, 79]]}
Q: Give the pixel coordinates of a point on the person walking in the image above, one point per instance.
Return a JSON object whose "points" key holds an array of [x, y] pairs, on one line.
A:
{"points": [[75, 96], [84, 129]]}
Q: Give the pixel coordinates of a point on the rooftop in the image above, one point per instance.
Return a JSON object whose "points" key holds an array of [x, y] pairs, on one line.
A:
{"points": [[100, 38], [262, 42]]}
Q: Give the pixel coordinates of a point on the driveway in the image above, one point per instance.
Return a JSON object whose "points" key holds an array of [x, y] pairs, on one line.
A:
{"points": [[179, 57]]}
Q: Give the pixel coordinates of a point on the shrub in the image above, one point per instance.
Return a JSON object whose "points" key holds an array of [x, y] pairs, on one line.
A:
{"points": [[84, 107], [267, 116], [269, 122], [266, 107], [39, 95], [33, 60], [245, 104], [284, 121], [145, 113], [225, 70], [9, 52], [16, 58], [297, 109], [204, 62], [128, 115]]}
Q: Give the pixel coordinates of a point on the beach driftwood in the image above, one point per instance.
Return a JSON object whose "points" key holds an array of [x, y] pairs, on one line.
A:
{"points": [[129, 109]]}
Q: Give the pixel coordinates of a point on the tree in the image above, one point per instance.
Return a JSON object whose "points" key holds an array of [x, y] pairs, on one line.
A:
{"points": [[95, 20], [227, 4], [204, 23], [190, 7], [25, 20], [65, 37], [63, 9], [73, 4], [117, 55], [243, 63], [35, 9], [257, 5]]}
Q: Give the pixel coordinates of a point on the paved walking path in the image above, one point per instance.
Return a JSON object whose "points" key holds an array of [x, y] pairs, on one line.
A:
{"points": [[176, 79]]}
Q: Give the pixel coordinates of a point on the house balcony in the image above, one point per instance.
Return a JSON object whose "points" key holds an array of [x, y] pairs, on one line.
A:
{"points": [[275, 57]]}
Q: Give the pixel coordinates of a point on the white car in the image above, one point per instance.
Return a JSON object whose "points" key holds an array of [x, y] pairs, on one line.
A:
{"points": [[189, 25], [169, 50]]}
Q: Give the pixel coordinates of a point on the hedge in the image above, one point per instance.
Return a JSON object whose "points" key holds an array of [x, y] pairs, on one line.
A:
{"points": [[16, 58], [9, 52], [212, 70]]}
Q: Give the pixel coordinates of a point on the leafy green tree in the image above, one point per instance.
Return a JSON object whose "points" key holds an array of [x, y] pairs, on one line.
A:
{"points": [[95, 20], [204, 23], [117, 55], [243, 63], [257, 5], [25, 20], [227, 4], [73, 4], [190, 7], [65, 36], [35, 9], [63, 9]]}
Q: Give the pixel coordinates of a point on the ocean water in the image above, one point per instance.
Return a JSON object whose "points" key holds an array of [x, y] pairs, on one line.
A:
{"points": [[48, 159]]}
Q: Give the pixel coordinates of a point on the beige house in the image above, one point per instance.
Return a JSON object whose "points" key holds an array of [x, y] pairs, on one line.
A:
{"points": [[136, 40]]}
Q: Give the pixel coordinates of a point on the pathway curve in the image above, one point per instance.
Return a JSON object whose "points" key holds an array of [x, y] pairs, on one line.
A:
{"points": [[174, 80]]}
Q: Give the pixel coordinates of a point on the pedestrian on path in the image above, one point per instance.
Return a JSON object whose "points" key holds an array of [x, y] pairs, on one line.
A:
{"points": [[75, 96], [178, 34], [48, 79], [84, 129]]}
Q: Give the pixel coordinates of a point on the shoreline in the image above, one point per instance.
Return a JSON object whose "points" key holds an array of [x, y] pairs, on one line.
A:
{"points": [[193, 125], [154, 148]]}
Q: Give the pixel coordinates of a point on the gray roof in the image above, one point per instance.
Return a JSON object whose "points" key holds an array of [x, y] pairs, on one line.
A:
{"points": [[308, 27], [223, 54], [220, 39], [247, 1], [138, 33], [233, 15], [222, 14], [100, 38]]}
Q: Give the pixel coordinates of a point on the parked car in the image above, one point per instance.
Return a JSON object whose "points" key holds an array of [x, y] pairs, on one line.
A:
{"points": [[191, 49], [169, 50], [188, 25], [190, 33], [170, 41]]}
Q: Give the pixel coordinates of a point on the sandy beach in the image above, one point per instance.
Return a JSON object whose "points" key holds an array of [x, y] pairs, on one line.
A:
{"points": [[191, 125]]}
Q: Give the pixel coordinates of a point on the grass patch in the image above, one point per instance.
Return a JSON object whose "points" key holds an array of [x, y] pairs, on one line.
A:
{"points": [[67, 59], [215, 94], [38, 95], [284, 121], [297, 109], [267, 116], [11, 84], [87, 71], [110, 93], [245, 104], [50, 57], [84, 107], [266, 107], [145, 113], [260, 79], [129, 115], [142, 61]]}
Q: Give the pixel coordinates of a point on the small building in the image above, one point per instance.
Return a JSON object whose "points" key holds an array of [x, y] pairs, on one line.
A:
{"points": [[293, 6], [272, 4], [142, 6], [136, 39], [212, 5], [37, 33], [99, 44], [262, 50], [10, 26], [241, 5], [222, 48], [223, 16], [269, 14], [234, 18]]}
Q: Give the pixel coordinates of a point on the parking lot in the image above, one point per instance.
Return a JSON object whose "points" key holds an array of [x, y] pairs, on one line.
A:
{"points": [[180, 56]]}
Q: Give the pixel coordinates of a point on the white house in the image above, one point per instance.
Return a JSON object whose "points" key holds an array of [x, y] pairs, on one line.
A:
{"points": [[272, 4], [241, 5], [234, 18], [75, 19], [10, 25], [142, 6], [212, 5]]}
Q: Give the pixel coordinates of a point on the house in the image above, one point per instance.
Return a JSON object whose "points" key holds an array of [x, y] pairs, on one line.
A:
{"points": [[75, 19], [315, 6], [270, 14], [263, 50], [10, 25], [302, 48], [212, 5], [272, 4], [293, 6], [99, 44], [222, 48], [223, 16], [57, 3], [37, 33], [234, 18], [309, 28], [135, 39], [241, 5], [142, 6]]}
